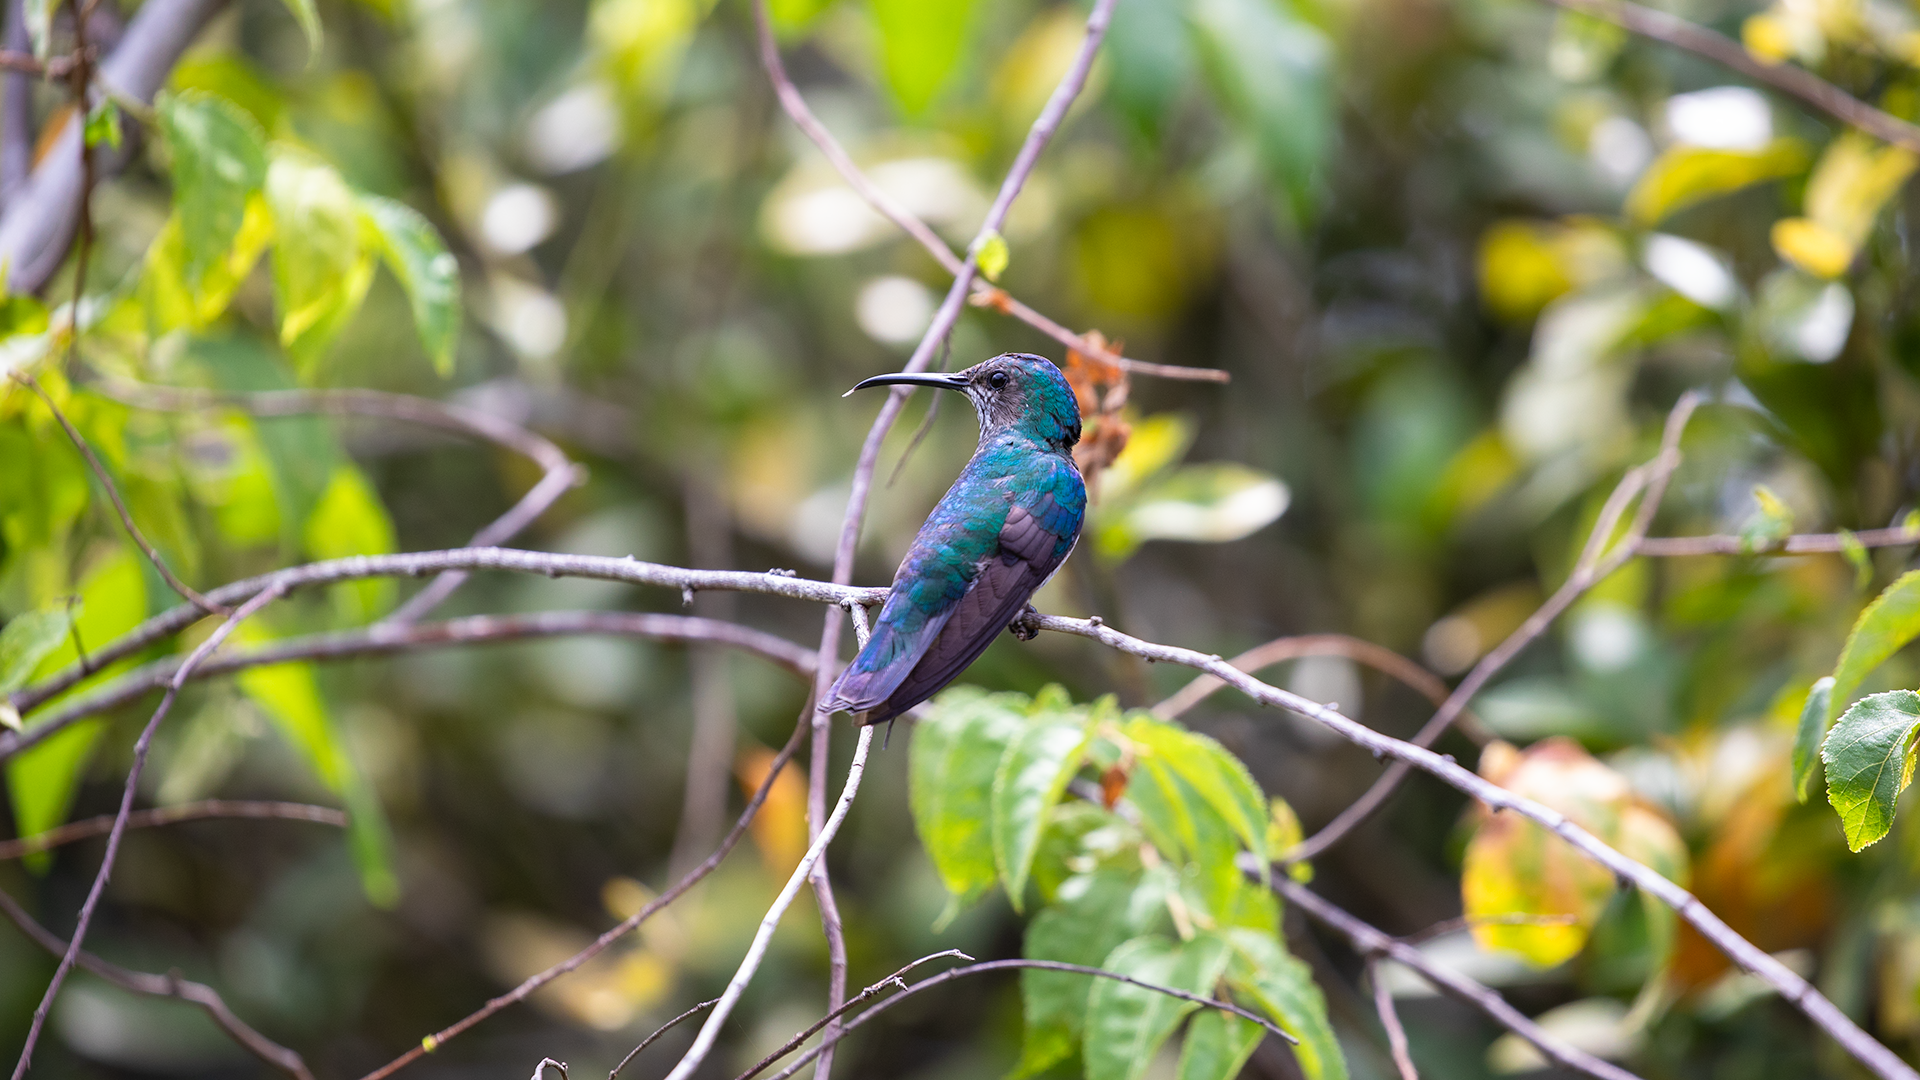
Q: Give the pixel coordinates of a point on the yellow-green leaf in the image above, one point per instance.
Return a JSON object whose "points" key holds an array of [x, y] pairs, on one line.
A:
{"points": [[349, 520], [321, 261], [950, 767], [1811, 732], [992, 255], [308, 16], [1884, 628], [26, 641], [219, 160], [417, 256], [1869, 759], [1684, 175], [1282, 986], [1126, 1024], [1215, 774], [920, 45], [1031, 777]]}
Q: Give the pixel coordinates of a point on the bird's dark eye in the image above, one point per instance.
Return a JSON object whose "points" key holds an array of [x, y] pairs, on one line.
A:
{"points": [[997, 380]]}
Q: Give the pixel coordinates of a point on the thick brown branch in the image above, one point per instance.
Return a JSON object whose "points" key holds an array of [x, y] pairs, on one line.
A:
{"points": [[171, 815], [171, 985]]}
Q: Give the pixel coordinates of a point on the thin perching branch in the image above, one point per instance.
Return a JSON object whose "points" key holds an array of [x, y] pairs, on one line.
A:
{"points": [[1038, 136], [204, 810], [710, 1031], [1596, 562], [185, 590], [1390, 1022], [894, 980], [170, 985], [119, 830], [659, 1031], [1749, 957], [382, 639]]}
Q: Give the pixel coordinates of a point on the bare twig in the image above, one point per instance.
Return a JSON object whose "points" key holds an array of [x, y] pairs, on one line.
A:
{"points": [[893, 980], [421, 564], [1722, 50], [171, 815], [1359, 650], [1390, 1020], [659, 1031], [169, 985], [1749, 957], [381, 639], [119, 830], [710, 1031], [1467, 922], [433, 1042], [1374, 944], [1597, 560], [559, 472], [186, 591], [984, 294], [1804, 544], [987, 966]]}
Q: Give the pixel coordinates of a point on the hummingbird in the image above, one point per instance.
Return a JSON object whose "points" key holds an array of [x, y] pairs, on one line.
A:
{"points": [[999, 533]]}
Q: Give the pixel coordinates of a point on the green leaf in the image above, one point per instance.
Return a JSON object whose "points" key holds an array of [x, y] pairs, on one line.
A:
{"points": [[26, 641], [1772, 521], [1215, 774], [1684, 175], [43, 780], [349, 520], [1096, 914], [103, 125], [1869, 759], [950, 767], [1127, 1024], [1283, 988], [1217, 1045], [321, 264], [417, 256], [1271, 73], [219, 161], [1031, 777], [992, 255], [920, 45], [1189, 833], [1884, 628], [1806, 741], [290, 696], [308, 16]]}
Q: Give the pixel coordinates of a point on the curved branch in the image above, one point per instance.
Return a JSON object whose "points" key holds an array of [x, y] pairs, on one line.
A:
{"points": [[1749, 957], [433, 1042], [1374, 944], [984, 295], [171, 815], [170, 985], [1599, 558], [420, 564], [382, 638], [1723, 50], [1018, 965], [560, 473], [1359, 650]]}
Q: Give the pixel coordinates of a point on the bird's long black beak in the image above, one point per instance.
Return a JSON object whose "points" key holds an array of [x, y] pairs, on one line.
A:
{"points": [[941, 380]]}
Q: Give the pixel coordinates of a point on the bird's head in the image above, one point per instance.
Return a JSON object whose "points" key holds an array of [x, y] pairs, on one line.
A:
{"points": [[1013, 391]]}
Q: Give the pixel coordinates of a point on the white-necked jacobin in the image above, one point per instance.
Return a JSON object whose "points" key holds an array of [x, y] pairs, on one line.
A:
{"points": [[1004, 527]]}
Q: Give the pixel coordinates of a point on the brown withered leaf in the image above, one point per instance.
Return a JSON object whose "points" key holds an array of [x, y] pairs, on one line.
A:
{"points": [[1101, 387]]}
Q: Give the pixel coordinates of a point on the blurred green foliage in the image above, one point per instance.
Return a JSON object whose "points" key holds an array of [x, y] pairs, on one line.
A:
{"points": [[1460, 258]]}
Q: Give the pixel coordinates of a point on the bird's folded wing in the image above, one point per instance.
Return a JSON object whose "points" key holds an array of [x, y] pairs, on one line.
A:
{"points": [[1029, 554]]}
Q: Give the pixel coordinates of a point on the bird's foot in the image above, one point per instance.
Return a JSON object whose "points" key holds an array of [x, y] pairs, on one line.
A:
{"points": [[1026, 625]]}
